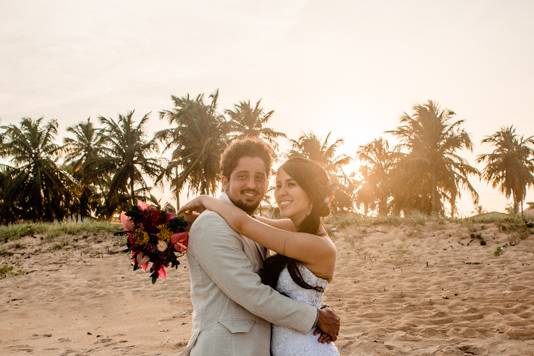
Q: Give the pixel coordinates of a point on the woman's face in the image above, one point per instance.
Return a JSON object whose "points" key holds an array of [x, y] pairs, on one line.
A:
{"points": [[292, 200]]}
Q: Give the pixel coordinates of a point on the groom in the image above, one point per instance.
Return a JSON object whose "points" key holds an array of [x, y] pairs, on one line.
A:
{"points": [[232, 309]]}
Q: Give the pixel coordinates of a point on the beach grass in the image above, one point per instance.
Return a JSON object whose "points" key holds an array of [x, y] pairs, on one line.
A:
{"points": [[506, 222], [7, 270], [347, 219], [52, 230]]}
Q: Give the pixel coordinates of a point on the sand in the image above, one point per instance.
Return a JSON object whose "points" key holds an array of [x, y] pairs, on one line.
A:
{"points": [[399, 290]]}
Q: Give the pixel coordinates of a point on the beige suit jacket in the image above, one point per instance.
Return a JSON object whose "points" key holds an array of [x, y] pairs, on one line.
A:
{"points": [[232, 309]]}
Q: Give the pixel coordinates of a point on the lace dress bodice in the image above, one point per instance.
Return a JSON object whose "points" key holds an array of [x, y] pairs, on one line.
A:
{"points": [[288, 342]]}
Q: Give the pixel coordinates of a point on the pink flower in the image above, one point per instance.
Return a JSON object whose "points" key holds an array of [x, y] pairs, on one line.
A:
{"points": [[142, 260], [162, 273], [142, 205], [180, 240], [127, 223]]}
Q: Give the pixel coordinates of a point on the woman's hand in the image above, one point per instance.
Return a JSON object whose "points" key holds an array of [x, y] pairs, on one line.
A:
{"points": [[193, 207]]}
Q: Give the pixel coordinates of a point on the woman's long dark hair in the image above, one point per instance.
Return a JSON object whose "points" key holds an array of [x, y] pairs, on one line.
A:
{"points": [[312, 178]]}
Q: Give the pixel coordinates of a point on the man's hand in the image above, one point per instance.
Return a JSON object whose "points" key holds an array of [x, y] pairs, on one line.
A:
{"points": [[328, 325], [323, 338]]}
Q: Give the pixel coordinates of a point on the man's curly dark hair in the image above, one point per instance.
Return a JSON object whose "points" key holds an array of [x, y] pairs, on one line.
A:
{"points": [[247, 147]]}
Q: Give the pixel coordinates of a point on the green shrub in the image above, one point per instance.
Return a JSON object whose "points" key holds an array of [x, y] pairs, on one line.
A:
{"points": [[52, 230]]}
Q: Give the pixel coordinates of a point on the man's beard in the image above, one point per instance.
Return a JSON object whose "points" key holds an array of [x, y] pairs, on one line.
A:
{"points": [[249, 209]]}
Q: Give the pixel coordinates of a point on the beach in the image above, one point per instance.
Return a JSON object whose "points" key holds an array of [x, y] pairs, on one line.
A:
{"points": [[436, 288]]}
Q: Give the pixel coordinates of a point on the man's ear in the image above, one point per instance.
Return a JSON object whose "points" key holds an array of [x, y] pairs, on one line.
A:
{"points": [[225, 182]]}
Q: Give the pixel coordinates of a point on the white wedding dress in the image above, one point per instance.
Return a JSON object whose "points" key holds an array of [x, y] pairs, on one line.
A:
{"points": [[288, 342]]}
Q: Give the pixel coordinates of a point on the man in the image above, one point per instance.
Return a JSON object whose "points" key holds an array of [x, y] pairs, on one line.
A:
{"points": [[232, 309]]}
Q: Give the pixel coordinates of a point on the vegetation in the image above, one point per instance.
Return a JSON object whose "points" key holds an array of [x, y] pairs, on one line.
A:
{"points": [[6, 271], [324, 152], [197, 137], [378, 163], [86, 160], [511, 165], [246, 121], [51, 230], [100, 170], [129, 151], [430, 171], [35, 187]]}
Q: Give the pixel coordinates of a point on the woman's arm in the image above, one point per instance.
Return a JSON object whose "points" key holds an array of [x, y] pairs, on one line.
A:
{"points": [[284, 224], [307, 248]]}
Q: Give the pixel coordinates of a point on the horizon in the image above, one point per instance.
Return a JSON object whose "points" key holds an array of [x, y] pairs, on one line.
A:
{"points": [[322, 67]]}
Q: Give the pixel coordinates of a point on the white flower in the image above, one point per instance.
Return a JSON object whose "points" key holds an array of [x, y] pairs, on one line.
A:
{"points": [[162, 245]]}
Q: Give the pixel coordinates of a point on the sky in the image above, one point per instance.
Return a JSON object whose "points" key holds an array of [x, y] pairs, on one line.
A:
{"points": [[350, 67]]}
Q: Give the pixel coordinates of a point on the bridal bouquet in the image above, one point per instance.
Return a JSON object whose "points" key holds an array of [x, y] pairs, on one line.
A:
{"points": [[155, 239]]}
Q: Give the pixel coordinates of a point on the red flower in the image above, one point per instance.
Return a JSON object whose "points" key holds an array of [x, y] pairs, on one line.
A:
{"points": [[179, 240]]}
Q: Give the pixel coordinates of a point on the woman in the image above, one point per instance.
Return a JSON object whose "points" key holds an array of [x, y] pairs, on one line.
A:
{"points": [[305, 259]]}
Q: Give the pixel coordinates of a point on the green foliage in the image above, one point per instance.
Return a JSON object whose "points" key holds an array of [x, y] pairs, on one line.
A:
{"points": [[323, 152], [7, 271], [511, 164], [129, 151], [107, 168], [246, 121], [36, 188], [86, 160], [344, 220], [430, 170], [494, 217], [52, 230], [197, 135], [378, 164]]}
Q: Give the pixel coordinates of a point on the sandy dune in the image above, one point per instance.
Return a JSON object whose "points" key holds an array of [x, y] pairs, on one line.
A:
{"points": [[400, 290]]}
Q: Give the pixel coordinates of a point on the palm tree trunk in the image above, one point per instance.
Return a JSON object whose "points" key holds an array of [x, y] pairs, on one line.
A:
{"points": [[434, 201], [132, 192], [382, 207], [453, 208], [177, 191]]}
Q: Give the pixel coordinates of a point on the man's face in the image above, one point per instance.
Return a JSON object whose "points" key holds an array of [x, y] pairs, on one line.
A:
{"points": [[247, 183]]}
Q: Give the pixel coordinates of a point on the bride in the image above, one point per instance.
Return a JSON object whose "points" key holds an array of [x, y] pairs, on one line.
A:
{"points": [[305, 256]]}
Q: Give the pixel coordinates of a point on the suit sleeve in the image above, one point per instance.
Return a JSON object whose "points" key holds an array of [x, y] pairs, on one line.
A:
{"points": [[216, 248]]}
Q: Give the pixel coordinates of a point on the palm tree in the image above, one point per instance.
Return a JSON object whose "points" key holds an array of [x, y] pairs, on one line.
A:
{"points": [[5, 204], [125, 143], [312, 147], [323, 152], [38, 189], [86, 160], [511, 165], [197, 137], [378, 162], [246, 121], [365, 193], [432, 164]]}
